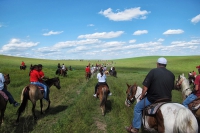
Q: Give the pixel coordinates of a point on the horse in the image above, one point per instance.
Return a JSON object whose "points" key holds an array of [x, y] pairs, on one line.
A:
{"points": [[58, 72], [33, 93], [186, 90], [87, 75], [169, 118], [23, 67], [102, 93], [4, 99]]}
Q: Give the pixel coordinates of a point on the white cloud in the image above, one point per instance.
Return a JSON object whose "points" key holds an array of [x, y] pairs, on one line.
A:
{"points": [[68, 44], [103, 35], [126, 15], [196, 19], [132, 41], [18, 45], [160, 40], [52, 33], [90, 25], [140, 32], [170, 32]]}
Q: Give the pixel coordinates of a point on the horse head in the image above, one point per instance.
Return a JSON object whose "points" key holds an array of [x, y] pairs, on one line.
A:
{"points": [[57, 83], [130, 94], [7, 79], [183, 85]]}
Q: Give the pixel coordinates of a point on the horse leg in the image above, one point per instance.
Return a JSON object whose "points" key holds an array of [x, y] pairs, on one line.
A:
{"points": [[41, 105], [48, 105], [33, 110], [2, 116]]}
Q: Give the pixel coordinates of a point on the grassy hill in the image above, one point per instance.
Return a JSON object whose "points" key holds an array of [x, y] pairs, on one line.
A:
{"points": [[73, 107]]}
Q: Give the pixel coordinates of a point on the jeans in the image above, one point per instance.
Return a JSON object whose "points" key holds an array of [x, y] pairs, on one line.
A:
{"points": [[137, 120], [10, 97], [189, 99], [44, 86]]}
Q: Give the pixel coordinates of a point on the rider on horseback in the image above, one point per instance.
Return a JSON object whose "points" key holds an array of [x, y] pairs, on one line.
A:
{"points": [[196, 92], [158, 84], [4, 89], [34, 79], [42, 78], [101, 80]]}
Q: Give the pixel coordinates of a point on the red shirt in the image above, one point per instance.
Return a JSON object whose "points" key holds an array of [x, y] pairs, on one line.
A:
{"points": [[34, 76], [87, 69], [197, 82], [23, 64], [41, 74]]}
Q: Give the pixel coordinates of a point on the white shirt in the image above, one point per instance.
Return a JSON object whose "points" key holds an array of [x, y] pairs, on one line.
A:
{"points": [[2, 80], [63, 66], [101, 78]]}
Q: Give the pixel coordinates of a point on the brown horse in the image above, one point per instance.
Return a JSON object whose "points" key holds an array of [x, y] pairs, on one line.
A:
{"points": [[87, 75], [102, 92], [33, 93], [3, 102]]}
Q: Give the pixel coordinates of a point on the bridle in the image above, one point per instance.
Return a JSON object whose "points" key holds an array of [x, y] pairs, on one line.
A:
{"points": [[131, 97], [180, 82]]}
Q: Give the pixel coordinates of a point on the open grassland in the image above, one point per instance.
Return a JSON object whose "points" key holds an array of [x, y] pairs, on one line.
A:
{"points": [[73, 107]]}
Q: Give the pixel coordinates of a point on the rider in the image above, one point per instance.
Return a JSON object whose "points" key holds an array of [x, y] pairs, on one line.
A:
{"points": [[158, 84], [42, 78], [34, 79], [101, 80], [23, 64], [87, 69], [63, 68], [4, 89], [196, 92]]}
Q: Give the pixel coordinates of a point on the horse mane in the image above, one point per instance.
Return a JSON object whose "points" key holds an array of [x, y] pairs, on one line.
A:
{"points": [[49, 81]]}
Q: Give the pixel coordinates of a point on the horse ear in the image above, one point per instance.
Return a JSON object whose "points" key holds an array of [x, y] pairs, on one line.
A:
{"points": [[127, 85], [135, 84]]}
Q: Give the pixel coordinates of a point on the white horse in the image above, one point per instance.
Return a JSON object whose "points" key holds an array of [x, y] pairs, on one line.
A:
{"points": [[169, 118], [186, 90]]}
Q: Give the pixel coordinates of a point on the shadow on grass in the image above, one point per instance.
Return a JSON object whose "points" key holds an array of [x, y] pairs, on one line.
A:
{"points": [[27, 123], [108, 106]]}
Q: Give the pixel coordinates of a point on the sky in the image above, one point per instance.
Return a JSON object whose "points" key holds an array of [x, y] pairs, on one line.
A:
{"points": [[99, 29]]}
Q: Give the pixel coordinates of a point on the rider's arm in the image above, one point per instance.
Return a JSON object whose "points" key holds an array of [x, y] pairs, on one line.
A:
{"points": [[144, 90], [196, 87]]}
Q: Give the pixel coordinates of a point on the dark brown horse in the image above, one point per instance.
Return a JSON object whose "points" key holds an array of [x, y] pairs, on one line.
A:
{"points": [[87, 75], [3, 101], [33, 93], [102, 93]]}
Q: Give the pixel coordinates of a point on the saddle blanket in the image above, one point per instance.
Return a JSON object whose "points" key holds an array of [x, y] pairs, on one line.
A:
{"points": [[194, 105], [152, 109], [4, 95]]}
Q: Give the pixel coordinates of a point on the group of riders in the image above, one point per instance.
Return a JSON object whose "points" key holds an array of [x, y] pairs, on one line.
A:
{"points": [[101, 77], [36, 76]]}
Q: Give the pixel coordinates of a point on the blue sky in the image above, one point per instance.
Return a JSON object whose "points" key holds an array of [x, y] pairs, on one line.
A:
{"points": [[99, 29]]}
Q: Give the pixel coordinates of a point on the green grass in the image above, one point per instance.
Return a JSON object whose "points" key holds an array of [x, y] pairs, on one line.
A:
{"points": [[73, 107]]}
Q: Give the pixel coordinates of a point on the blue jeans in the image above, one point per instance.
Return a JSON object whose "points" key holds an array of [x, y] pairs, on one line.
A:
{"points": [[189, 99], [42, 85], [10, 97], [137, 120]]}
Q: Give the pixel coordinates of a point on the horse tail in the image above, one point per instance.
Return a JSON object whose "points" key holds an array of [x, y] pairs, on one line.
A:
{"points": [[24, 99], [185, 122], [105, 94]]}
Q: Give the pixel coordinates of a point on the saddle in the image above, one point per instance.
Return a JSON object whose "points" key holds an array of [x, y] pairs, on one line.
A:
{"points": [[194, 105], [152, 109], [4, 95]]}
